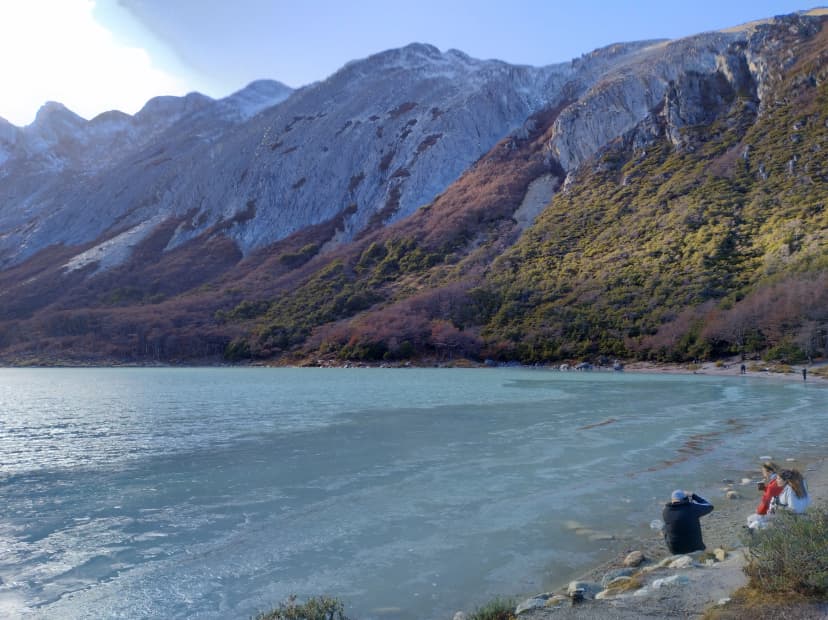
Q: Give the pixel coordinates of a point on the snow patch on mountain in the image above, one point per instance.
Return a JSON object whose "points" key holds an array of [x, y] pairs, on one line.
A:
{"points": [[114, 251]]}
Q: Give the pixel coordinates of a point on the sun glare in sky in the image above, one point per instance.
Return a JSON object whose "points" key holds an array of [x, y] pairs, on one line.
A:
{"points": [[56, 51]]}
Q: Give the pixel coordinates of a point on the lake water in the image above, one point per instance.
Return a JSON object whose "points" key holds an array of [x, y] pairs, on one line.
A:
{"points": [[409, 493]]}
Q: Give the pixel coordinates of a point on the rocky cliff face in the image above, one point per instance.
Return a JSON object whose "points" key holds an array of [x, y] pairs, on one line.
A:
{"points": [[65, 180], [378, 139]]}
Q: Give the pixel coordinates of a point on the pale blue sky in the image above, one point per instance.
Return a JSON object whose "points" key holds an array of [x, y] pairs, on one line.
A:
{"points": [[95, 55]]}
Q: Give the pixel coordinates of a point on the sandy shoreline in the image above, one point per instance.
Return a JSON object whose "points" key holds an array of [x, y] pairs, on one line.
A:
{"points": [[732, 368]]}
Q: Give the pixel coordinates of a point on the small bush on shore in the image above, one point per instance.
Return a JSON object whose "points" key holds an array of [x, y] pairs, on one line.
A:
{"points": [[791, 556], [497, 609], [315, 608]]}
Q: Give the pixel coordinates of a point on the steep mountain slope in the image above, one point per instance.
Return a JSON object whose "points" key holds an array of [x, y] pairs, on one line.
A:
{"points": [[370, 144], [646, 199], [699, 230], [684, 239]]}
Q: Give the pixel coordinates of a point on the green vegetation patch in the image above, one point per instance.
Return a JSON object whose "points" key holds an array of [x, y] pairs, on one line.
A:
{"points": [[315, 608], [791, 556]]}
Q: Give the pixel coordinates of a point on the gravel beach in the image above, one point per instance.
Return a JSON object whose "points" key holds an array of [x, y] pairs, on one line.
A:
{"points": [[686, 592]]}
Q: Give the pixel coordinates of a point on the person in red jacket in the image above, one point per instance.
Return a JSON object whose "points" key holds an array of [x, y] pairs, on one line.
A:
{"points": [[772, 489]]}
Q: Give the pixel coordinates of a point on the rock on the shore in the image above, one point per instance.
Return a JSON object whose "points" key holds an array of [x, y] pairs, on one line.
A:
{"points": [[634, 558], [721, 554], [665, 562], [618, 572], [608, 593], [589, 588], [619, 581], [540, 601], [672, 580], [732, 495], [683, 561], [459, 616]]}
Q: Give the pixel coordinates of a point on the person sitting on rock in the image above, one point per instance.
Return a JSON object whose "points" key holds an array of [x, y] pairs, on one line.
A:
{"points": [[771, 487], [794, 495], [682, 529]]}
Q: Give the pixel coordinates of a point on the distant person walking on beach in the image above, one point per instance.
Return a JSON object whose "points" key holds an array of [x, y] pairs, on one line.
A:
{"points": [[682, 529], [804, 374], [742, 369]]}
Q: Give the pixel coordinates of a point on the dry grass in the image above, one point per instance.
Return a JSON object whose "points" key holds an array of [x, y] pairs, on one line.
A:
{"points": [[748, 602], [633, 583], [820, 372]]}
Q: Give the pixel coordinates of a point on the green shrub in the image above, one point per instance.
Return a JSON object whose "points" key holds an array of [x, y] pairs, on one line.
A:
{"points": [[237, 350], [315, 608], [299, 258], [791, 556], [497, 609], [786, 352]]}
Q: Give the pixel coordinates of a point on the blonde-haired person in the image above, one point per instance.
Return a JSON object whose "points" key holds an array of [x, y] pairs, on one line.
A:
{"points": [[794, 495]]}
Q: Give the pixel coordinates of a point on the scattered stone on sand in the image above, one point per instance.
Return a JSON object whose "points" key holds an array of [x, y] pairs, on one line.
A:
{"points": [[615, 590], [727, 481], [684, 561], [619, 581], [540, 601], [459, 616], [732, 495], [588, 588], [613, 574], [634, 558], [746, 481], [668, 560], [721, 554], [672, 580]]}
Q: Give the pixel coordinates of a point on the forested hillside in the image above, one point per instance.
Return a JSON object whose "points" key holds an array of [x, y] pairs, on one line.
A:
{"points": [[713, 242], [705, 243]]}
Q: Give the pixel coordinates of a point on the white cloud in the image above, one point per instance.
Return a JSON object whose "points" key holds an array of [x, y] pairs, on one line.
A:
{"points": [[54, 50]]}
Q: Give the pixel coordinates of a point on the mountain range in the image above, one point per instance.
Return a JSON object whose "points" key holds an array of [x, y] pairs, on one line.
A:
{"points": [[655, 199]]}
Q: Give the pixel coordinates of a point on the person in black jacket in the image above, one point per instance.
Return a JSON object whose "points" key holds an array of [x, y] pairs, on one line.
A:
{"points": [[682, 530]]}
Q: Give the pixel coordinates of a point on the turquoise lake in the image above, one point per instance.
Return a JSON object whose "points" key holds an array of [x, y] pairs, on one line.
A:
{"points": [[410, 494]]}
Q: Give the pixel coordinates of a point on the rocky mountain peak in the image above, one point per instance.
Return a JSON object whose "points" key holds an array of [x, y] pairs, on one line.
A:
{"points": [[55, 121], [171, 108], [254, 98]]}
